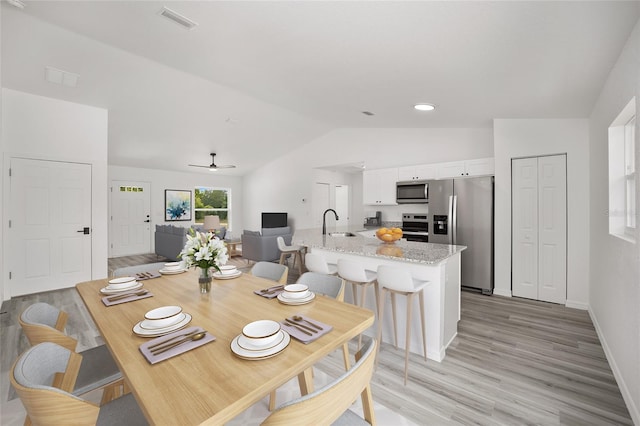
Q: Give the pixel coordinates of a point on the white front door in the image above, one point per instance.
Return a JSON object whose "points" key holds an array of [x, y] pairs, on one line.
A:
{"points": [[50, 225], [539, 221], [130, 218]]}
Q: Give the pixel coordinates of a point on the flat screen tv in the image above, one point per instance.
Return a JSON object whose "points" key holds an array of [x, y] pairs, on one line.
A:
{"points": [[274, 220]]}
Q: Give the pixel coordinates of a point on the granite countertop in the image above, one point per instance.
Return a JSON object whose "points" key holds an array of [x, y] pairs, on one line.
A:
{"points": [[405, 251]]}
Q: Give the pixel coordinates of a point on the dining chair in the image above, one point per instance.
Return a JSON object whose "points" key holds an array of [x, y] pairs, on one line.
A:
{"points": [[42, 322], [315, 262], [286, 250], [132, 270], [270, 271], [331, 403], [43, 376], [328, 285], [397, 280]]}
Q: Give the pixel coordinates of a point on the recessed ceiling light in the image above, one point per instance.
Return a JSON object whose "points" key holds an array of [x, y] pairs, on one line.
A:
{"points": [[424, 107], [369, 113], [174, 16]]}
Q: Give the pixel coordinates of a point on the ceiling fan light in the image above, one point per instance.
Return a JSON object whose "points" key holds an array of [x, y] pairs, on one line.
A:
{"points": [[424, 107]]}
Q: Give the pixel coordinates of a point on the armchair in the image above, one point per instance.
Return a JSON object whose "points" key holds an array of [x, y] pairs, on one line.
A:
{"points": [[264, 247]]}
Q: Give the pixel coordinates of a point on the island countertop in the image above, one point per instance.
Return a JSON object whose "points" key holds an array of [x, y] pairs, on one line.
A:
{"points": [[403, 251]]}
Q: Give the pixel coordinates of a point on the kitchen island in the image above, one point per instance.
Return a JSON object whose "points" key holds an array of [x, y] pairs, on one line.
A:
{"points": [[437, 263]]}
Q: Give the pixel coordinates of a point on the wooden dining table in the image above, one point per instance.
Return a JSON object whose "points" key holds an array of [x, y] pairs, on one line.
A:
{"points": [[209, 384]]}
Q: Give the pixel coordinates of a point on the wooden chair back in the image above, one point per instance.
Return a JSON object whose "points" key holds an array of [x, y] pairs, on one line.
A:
{"points": [[42, 322], [327, 404]]}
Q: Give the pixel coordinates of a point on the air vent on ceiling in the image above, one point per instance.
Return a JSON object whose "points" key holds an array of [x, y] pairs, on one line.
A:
{"points": [[183, 21]]}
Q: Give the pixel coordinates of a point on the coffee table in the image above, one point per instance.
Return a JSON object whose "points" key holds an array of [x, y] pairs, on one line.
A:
{"points": [[232, 247]]}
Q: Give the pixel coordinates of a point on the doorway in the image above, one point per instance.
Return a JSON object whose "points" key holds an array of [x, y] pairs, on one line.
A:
{"points": [[49, 232], [539, 228], [130, 230]]}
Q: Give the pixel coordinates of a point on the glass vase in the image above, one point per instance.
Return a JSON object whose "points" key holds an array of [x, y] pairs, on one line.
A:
{"points": [[204, 280]]}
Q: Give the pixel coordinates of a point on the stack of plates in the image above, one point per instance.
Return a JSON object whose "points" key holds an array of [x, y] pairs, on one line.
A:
{"points": [[260, 340], [227, 272], [172, 268], [296, 294], [120, 285], [161, 321]]}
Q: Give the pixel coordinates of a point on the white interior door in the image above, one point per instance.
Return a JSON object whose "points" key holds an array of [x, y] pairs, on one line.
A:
{"points": [[524, 184], [539, 228], [50, 225], [552, 235], [342, 204], [130, 218]]}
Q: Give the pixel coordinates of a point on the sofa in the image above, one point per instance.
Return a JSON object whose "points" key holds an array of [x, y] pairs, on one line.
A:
{"points": [[263, 246], [170, 239]]}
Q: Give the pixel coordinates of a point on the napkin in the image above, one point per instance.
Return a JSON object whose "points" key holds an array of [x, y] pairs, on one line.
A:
{"points": [[302, 337], [106, 301], [182, 348], [140, 276], [270, 295]]}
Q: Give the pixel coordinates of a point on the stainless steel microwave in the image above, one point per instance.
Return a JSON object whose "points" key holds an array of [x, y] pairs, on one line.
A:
{"points": [[412, 192]]}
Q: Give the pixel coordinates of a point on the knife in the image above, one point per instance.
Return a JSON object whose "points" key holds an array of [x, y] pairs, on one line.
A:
{"points": [[296, 326], [306, 327], [156, 346], [122, 296]]}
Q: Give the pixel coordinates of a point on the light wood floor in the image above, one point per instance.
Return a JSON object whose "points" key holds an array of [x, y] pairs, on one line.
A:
{"points": [[514, 362]]}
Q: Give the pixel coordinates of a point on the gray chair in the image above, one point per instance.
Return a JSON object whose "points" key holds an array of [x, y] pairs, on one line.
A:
{"points": [[42, 375], [329, 285], [315, 262], [271, 271], [264, 247], [132, 270], [330, 404], [42, 322]]}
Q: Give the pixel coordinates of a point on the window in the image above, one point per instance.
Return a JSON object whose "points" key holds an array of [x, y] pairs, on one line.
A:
{"points": [[622, 174], [213, 201]]}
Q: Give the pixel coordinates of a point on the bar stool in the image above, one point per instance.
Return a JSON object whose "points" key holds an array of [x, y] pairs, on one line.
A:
{"points": [[396, 280], [286, 250], [314, 262], [355, 273]]}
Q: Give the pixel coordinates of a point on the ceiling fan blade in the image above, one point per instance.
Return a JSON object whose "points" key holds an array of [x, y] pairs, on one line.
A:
{"points": [[228, 166], [198, 165], [213, 165]]}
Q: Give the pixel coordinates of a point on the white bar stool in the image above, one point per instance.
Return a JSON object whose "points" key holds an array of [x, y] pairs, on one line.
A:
{"points": [[396, 280], [315, 262], [355, 273], [286, 250]]}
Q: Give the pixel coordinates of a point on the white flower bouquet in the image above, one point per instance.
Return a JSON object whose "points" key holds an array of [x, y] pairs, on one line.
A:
{"points": [[204, 250]]}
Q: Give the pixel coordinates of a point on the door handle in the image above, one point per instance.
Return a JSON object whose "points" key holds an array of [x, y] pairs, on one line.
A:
{"points": [[147, 221], [84, 230]]}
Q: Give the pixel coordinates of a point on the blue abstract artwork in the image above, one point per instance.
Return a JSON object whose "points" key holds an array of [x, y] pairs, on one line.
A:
{"points": [[177, 205]]}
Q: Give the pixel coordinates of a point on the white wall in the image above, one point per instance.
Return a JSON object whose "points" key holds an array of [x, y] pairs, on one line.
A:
{"points": [[614, 290], [48, 129], [161, 180], [281, 184], [525, 138]]}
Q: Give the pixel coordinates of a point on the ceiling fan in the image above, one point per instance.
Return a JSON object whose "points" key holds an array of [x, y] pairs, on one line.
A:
{"points": [[213, 167]]}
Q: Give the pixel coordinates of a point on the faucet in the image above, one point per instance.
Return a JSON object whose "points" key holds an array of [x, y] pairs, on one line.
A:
{"points": [[324, 220]]}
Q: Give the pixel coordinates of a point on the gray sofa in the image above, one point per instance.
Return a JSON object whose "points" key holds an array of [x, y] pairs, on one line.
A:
{"points": [[170, 239], [264, 247]]}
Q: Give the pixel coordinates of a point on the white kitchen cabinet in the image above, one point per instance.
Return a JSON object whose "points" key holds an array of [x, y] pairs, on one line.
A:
{"points": [[379, 186], [420, 172], [478, 167]]}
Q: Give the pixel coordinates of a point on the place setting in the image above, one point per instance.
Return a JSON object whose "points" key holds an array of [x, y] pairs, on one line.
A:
{"points": [[175, 343], [122, 290], [270, 292], [227, 272], [172, 268], [260, 340], [305, 329], [296, 294], [160, 321]]}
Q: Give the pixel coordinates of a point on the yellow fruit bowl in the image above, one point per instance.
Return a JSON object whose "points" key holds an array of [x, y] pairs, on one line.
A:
{"points": [[389, 235]]}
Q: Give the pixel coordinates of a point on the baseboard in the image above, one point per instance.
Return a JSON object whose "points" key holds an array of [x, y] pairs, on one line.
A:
{"points": [[624, 390], [501, 292], [577, 305]]}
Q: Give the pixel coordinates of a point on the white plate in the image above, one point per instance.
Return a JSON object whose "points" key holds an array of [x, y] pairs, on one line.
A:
{"points": [[248, 345], [121, 287], [262, 354], [288, 301], [137, 329], [219, 276], [149, 325], [107, 290], [287, 296], [122, 282], [171, 271], [228, 269]]}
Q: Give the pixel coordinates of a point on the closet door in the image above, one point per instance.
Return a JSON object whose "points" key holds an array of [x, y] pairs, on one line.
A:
{"points": [[539, 228]]}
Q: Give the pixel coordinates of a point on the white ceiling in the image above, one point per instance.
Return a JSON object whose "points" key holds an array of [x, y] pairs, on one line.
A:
{"points": [[256, 79]]}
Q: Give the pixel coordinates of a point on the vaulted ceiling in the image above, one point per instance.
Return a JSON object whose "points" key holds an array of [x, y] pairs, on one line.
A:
{"points": [[255, 79]]}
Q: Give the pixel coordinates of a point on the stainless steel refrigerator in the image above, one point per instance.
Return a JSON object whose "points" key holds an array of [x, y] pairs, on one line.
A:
{"points": [[461, 212]]}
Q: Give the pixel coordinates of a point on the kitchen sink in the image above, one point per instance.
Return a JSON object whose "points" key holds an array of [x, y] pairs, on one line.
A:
{"points": [[342, 234]]}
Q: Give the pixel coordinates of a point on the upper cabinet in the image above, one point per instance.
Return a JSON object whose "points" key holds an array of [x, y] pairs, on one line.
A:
{"points": [[379, 186], [478, 167], [424, 172]]}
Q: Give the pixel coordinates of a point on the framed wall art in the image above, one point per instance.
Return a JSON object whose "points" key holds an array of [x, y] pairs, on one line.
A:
{"points": [[177, 205]]}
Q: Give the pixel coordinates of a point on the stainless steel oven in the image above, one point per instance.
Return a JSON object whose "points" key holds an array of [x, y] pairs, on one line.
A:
{"points": [[415, 227]]}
